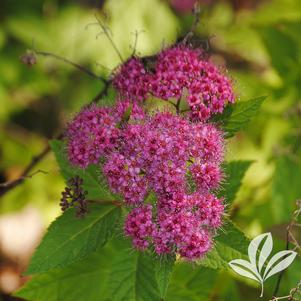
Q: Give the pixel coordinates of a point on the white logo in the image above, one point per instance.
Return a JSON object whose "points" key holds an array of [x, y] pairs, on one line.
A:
{"points": [[259, 268]]}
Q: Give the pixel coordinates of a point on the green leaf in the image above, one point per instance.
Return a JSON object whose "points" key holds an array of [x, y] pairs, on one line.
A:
{"points": [[236, 117], [164, 268], [191, 283], [133, 277], [230, 244], [116, 272], [234, 173], [81, 281], [70, 239], [93, 181]]}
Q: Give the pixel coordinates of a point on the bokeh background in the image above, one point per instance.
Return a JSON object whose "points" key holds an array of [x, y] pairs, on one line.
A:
{"points": [[259, 42]]}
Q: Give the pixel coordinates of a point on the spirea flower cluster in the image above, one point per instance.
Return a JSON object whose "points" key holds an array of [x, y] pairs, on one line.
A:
{"points": [[166, 166], [179, 72]]}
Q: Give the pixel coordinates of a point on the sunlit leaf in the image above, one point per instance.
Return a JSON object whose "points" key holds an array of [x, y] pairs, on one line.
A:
{"points": [[132, 276], [191, 283], [81, 281], [164, 268], [70, 238], [237, 116], [234, 173]]}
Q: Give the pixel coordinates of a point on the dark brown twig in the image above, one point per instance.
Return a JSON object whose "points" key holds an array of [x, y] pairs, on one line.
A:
{"points": [[75, 65], [14, 182], [102, 92], [197, 16], [107, 33], [134, 47], [291, 296], [7, 186]]}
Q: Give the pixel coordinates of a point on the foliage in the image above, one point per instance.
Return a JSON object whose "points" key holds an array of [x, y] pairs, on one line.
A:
{"points": [[261, 46], [132, 275]]}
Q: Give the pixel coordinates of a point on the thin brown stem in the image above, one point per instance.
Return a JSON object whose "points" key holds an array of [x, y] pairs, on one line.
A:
{"points": [[102, 92], [136, 33], [7, 186], [282, 272], [186, 110], [75, 65], [14, 182], [135, 43], [197, 16], [291, 296], [108, 35]]}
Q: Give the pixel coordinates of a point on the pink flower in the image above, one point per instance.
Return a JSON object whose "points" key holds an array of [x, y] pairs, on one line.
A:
{"points": [[207, 176], [155, 154], [139, 226], [131, 108], [197, 246], [183, 72], [176, 158], [210, 210], [131, 80], [91, 135], [125, 177]]}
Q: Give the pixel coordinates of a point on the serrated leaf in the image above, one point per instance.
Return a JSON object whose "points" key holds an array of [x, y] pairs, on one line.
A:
{"points": [[189, 283], [236, 116], [69, 238], [234, 173], [116, 272], [273, 269], [245, 268], [230, 244], [81, 281], [133, 277], [164, 268], [92, 178]]}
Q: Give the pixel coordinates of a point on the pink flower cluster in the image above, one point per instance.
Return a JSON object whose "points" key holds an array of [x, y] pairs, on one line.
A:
{"points": [[156, 155], [94, 131], [180, 72], [131, 80], [166, 167], [91, 134]]}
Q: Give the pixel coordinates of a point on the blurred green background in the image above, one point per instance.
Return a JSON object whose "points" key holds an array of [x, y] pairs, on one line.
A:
{"points": [[259, 42]]}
